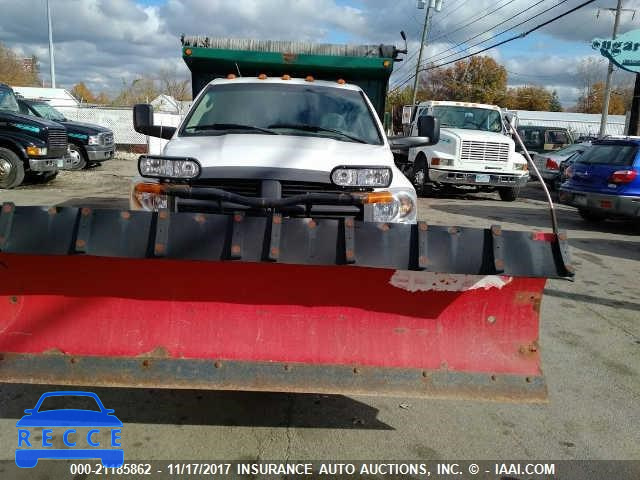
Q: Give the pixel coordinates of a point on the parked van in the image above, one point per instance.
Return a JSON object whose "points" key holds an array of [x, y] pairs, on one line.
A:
{"points": [[544, 139]]}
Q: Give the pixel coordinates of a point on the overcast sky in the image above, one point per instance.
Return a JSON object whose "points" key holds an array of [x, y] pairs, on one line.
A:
{"points": [[106, 42]]}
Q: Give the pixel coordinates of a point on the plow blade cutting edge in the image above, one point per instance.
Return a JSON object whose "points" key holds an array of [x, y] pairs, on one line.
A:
{"points": [[181, 300]]}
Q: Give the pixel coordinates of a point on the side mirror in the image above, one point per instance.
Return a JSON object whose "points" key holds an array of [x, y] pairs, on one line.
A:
{"points": [[143, 123], [429, 126]]}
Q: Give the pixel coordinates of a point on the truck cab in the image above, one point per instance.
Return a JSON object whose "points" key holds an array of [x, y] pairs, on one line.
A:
{"points": [[279, 139], [290, 135], [29, 146], [475, 151]]}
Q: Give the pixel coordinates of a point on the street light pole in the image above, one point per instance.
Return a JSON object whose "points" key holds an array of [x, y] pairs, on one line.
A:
{"points": [[52, 66], [607, 88], [427, 17]]}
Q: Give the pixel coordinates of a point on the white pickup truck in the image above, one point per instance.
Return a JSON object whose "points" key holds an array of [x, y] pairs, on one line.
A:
{"points": [[474, 152], [302, 146]]}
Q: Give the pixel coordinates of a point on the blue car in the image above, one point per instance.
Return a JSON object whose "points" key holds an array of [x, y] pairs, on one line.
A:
{"points": [[64, 420], [604, 182]]}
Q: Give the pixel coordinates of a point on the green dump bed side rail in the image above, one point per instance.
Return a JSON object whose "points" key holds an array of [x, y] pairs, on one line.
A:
{"points": [[368, 66]]}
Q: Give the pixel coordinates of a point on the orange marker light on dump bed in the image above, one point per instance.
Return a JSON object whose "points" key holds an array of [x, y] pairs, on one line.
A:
{"points": [[286, 77], [262, 76], [341, 81], [231, 76], [188, 51], [309, 78]]}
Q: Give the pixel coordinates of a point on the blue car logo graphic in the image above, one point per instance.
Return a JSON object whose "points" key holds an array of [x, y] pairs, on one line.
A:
{"points": [[65, 422]]}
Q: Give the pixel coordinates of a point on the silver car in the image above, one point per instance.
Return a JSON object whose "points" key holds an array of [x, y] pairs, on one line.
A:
{"points": [[549, 163]]}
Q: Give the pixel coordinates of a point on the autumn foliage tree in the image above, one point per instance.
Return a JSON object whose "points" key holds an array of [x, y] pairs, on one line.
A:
{"points": [[13, 70], [478, 79], [593, 101], [82, 93], [529, 97]]}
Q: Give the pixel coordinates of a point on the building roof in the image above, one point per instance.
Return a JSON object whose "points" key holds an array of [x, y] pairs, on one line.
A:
{"points": [[57, 96]]}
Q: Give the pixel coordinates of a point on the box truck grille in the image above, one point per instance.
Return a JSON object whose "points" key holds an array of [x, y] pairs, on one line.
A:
{"points": [[484, 151], [57, 142]]}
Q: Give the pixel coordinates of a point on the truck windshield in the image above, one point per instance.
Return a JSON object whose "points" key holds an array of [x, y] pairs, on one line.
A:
{"points": [[307, 110], [468, 117], [47, 111], [8, 100]]}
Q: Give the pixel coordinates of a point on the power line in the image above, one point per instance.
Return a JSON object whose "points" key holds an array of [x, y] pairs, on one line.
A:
{"points": [[476, 20], [494, 26], [515, 37]]}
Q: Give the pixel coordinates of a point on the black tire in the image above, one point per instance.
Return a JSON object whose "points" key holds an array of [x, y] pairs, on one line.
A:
{"points": [[45, 177], [79, 156], [420, 174], [508, 194], [11, 169], [591, 216]]}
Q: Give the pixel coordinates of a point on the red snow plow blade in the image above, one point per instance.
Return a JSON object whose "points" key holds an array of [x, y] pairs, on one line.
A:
{"points": [[111, 298]]}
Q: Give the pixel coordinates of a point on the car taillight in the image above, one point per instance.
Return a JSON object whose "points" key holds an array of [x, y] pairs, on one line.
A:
{"points": [[623, 176], [569, 171], [551, 164]]}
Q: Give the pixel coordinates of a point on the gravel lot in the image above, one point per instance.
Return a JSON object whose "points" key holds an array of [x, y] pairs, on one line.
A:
{"points": [[590, 337]]}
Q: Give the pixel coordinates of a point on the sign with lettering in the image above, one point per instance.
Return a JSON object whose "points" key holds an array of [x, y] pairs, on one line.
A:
{"points": [[624, 51]]}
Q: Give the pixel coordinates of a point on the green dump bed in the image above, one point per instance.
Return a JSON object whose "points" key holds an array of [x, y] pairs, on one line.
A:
{"points": [[368, 66]]}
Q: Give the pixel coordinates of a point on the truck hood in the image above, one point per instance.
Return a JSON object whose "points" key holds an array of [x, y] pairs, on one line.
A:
{"points": [[476, 135], [7, 116], [85, 128], [274, 152]]}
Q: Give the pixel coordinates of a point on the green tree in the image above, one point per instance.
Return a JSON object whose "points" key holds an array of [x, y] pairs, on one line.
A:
{"points": [[554, 104]]}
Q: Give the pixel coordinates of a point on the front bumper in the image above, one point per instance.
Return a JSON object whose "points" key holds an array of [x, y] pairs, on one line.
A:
{"points": [[44, 164], [492, 179], [614, 205], [100, 153]]}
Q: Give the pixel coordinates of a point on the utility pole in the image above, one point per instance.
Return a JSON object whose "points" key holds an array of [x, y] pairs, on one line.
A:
{"points": [[52, 66], [433, 5], [607, 88]]}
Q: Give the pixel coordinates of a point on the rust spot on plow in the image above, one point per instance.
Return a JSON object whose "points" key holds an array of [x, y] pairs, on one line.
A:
{"points": [[529, 349], [13, 300], [53, 351], [400, 330], [158, 352], [531, 298]]}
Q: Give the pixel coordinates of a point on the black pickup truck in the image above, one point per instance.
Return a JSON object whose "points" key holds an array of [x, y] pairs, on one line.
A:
{"points": [[88, 143], [29, 146]]}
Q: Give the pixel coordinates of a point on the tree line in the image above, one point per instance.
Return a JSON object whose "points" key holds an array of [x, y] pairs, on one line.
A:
{"points": [[16, 72], [481, 79]]}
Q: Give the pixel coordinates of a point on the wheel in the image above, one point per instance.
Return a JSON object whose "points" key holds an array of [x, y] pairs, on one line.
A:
{"points": [[11, 169], [420, 174], [590, 215], [78, 157], [508, 194]]}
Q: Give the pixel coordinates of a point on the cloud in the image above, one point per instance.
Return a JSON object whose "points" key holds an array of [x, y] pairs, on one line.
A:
{"points": [[106, 42]]}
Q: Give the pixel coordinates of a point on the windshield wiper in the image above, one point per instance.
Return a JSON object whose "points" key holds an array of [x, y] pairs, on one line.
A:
{"points": [[314, 128], [232, 126]]}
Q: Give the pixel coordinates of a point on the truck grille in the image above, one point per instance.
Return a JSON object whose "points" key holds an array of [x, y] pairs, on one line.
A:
{"points": [[484, 151], [252, 188], [57, 142], [106, 139]]}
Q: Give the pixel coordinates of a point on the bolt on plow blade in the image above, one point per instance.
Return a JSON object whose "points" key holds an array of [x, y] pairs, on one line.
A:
{"points": [[111, 298]]}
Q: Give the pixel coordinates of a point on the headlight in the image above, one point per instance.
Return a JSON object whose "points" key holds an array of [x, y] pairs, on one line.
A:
{"points": [[402, 209], [521, 166], [36, 151], [94, 140], [361, 176], [149, 196], [168, 167]]}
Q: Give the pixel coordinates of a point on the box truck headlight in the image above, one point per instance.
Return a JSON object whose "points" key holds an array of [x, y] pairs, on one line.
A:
{"points": [[376, 177], [168, 167]]}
